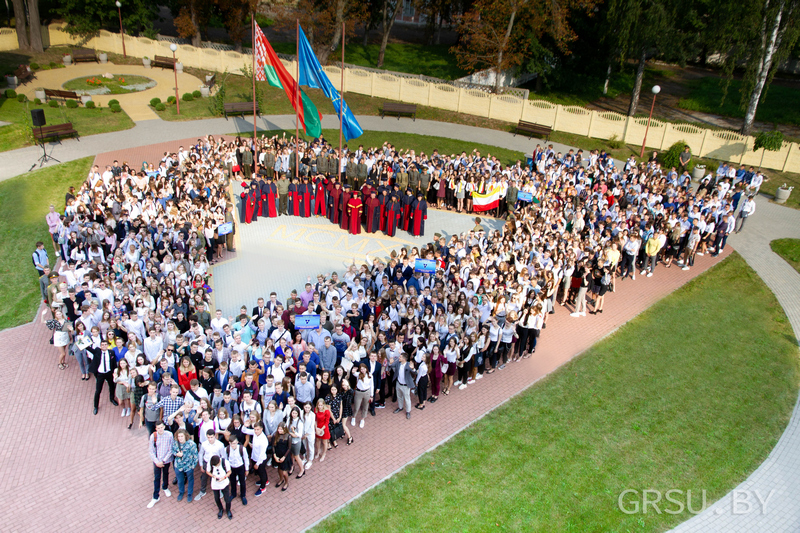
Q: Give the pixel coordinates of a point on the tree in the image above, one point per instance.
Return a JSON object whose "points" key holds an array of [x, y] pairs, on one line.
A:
{"points": [[21, 26], [85, 18], [35, 26], [322, 22], [495, 33], [390, 10], [767, 140], [236, 15], [191, 19]]}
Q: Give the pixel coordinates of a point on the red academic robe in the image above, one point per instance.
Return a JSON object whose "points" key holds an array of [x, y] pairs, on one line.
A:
{"points": [[372, 206], [260, 197], [294, 199], [392, 215], [305, 190], [250, 206], [419, 213], [344, 223], [270, 191], [334, 203], [406, 201], [354, 206], [319, 197]]}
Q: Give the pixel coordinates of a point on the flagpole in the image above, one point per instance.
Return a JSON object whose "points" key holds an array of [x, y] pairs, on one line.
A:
{"points": [[255, 139], [341, 102], [297, 113]]}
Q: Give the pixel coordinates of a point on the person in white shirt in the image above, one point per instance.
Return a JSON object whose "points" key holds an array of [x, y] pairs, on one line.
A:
{"points": [[259, 454], [748, 208], [240, 465], [218, 322], [209, 449], [365, 391], [219, 470], [309, 433]]}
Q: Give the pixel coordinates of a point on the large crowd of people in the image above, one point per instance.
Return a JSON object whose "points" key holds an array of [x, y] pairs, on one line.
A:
{"points": [[224, 397]]}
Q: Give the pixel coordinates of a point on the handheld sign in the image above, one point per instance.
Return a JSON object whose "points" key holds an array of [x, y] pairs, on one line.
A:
{"points": [[426, 266], [225, 228], [525, 196], [306, 321]]}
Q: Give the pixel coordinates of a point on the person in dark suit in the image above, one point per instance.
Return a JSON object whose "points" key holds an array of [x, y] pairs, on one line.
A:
{"points": [[374, 368], [102, 366], [259, 310]]}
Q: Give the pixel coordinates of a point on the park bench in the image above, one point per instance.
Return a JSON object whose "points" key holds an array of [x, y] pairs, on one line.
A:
{"points": [[23, 74], [210, 82], [82, 54], [57, 131], [391, 108], [164, 62], [532, 129], [57, 93], [240, 108]]}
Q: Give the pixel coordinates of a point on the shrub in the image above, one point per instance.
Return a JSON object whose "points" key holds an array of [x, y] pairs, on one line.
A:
{"points": [[115, 108], [21, 98], [45, 67], [53, 64], [187, 97], [36, 101], [34, 66], [197, 94], [90, 105], [171, 100], [671, 158], [155, 101], [160, 106], [615, 142], [72, 104], [11, 93], [53, 104], [113, 101]]}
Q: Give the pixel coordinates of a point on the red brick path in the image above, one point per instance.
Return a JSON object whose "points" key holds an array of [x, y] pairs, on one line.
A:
{"points": [[64, 468]]}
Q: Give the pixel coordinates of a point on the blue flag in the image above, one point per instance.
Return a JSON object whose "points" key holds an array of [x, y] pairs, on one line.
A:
{"points": [[312, 75]]}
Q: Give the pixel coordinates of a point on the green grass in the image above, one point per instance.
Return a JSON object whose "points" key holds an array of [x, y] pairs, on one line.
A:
{"points": [[115, 85], [428, 60], [692, 394], [411, 141], [24, 201], [781, 105], [86, 121], [789, 249]]}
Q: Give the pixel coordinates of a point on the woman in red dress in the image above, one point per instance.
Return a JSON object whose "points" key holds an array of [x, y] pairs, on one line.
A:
{"points": [[323, 417]]}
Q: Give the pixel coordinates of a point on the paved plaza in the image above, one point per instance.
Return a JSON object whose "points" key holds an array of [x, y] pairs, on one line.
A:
{"points": [[89, 472]]}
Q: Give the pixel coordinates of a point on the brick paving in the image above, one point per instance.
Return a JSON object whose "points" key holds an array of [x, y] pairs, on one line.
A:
{"points": [[90, 472]]}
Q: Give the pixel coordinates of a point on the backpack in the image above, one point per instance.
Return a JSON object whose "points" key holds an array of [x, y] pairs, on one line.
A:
{"points": [[241, 452]]}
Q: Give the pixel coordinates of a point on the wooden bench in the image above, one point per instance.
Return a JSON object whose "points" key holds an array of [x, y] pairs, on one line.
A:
{"points": [[240, 108], [164, 62], [211, 82], [23, 74], [532, 129], [56, 93], [57, 131], [391, 108], [82, 54]]}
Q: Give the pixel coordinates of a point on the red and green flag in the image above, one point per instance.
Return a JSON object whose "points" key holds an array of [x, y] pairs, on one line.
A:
{"points": [[270, 69]]}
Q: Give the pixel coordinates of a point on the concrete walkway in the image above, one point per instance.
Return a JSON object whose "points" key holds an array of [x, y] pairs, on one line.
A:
{"points": [[17, 162], [777, 481], [136, 105]]}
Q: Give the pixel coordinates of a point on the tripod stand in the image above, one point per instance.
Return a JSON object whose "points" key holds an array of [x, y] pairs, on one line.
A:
{"points": [[44, 157]]}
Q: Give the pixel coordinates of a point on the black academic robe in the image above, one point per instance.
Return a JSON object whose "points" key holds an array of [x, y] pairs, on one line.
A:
{"points": [[419, 212], [406, 202], [294, 199], [306, 189], [392, 215], [344, 221], [334, 204], [269, 193], [372, 207]]}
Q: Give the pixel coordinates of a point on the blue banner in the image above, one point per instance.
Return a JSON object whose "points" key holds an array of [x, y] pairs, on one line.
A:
{"points": [[426, 266], [524, 196], [306, 321], [225, 228], [312, 75]]}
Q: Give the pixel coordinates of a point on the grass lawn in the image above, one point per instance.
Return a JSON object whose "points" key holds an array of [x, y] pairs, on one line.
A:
{"points": [[781, 105], [646, 408], [429, 60], [86, 121], [412, 141], [789, 249], [120, 84], [24, 201]]}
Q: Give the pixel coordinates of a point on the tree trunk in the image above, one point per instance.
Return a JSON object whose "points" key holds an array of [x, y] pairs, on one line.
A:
{"points": [[387, 27], [366, 33], [771, 35], [325, 51], [22, 31], [608, 80], [438, 30], [499, 67], [36, 28], [197, 38], [637, 87]]}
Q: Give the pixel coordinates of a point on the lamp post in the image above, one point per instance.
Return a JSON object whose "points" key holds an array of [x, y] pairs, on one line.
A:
{"points": [[656, 89], [174, 47], [121, 31]]}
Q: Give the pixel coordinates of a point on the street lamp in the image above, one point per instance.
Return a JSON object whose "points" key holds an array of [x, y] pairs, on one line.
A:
{"points": [[121, 31], [174, 47], [656, 89]]}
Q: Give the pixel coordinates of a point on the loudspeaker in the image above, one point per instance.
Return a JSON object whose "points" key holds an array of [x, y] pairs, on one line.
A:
{"points": [[37, 115]]}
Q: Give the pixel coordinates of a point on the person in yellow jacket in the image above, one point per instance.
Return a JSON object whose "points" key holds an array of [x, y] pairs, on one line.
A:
{"points": [[652, 248]]}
